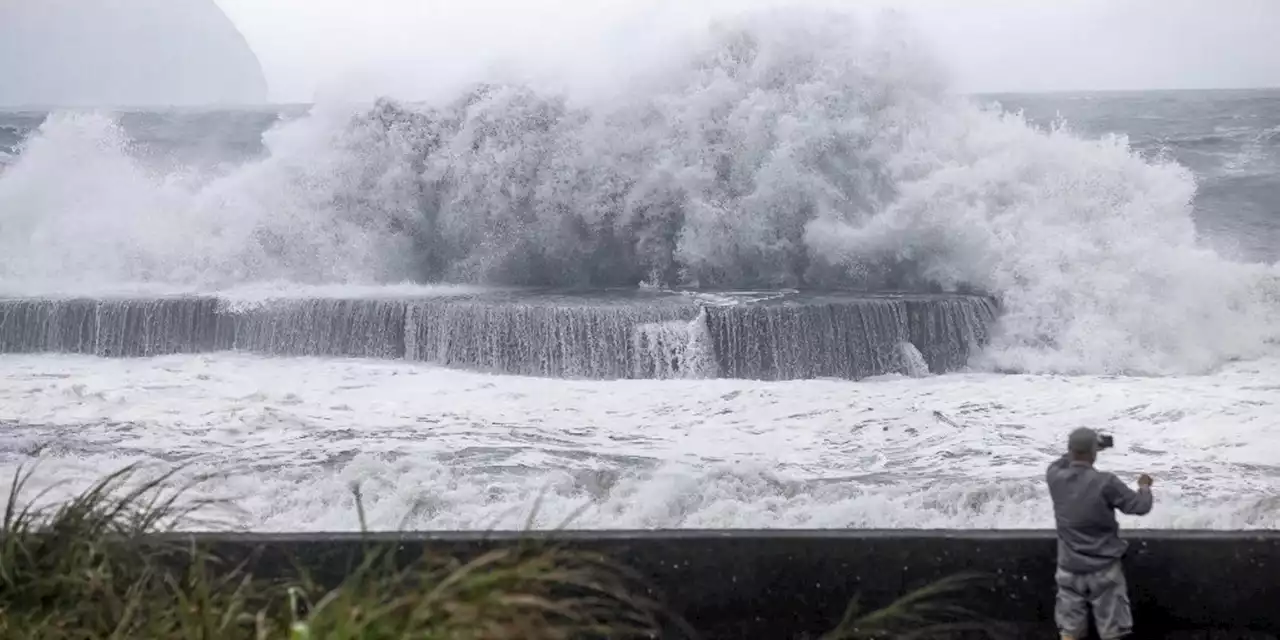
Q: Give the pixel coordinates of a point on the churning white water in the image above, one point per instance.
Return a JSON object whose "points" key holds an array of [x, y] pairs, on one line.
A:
{"points": [[436, 448]]}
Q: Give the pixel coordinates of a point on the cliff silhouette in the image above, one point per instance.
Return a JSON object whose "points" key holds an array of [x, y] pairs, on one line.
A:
{"points": [[109, 53]]}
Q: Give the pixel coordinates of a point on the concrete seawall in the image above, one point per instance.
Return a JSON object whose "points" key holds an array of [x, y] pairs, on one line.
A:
{"points": [[793, 584]]}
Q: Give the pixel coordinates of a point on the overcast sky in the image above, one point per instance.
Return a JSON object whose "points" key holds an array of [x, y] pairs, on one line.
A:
{"points": [[311, 48]]}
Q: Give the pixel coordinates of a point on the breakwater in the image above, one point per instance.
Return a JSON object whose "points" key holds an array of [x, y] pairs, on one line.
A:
{"points": [[795, 584], [598, 335]]}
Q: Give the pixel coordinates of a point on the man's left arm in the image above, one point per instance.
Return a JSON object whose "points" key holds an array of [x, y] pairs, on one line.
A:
{"points": [[1059, 464], [1056, 466]]}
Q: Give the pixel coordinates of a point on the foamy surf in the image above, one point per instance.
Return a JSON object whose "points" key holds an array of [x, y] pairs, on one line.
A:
{"points": [[435, 448]]}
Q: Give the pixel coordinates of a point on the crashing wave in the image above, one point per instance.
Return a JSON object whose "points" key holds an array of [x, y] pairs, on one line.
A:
{"points": [[790, 149]]}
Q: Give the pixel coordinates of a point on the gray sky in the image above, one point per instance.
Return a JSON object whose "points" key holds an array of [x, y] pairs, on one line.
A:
{"points": [[351, 48]]}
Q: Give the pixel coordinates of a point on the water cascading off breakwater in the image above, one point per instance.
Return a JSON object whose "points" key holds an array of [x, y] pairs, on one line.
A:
{"points": [[601, 336]]}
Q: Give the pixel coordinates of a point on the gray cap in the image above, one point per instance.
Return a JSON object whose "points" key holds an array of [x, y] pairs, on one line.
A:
{"points": [[1083, 441]]}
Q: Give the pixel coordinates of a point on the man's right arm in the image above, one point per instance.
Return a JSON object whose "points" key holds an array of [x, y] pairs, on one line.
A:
{"points": [[1128, 501]]}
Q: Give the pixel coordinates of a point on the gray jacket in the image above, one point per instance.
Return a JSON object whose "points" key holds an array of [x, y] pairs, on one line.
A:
{"points": [[1084, 504]]}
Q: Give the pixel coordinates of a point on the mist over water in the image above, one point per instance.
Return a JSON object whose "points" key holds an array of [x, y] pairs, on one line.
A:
{"points": [[779, 149]]}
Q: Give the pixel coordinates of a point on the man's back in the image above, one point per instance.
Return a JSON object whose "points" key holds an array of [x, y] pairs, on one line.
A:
{"points": [[1084, 504], [1090, 576]]}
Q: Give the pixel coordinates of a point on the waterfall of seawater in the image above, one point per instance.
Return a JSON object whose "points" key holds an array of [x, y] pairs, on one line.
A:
{"points": [[362, 328], [913, 362], [676, 349], [540, 339], [111, 328], [570, 336]]}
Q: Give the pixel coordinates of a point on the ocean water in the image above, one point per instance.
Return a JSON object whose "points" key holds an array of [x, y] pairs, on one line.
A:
{"points": [[1131, 239]]}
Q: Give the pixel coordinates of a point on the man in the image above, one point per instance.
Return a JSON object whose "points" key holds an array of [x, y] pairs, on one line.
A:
{"points": [[1089, 545]]}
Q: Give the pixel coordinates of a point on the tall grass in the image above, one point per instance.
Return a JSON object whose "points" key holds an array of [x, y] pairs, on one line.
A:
{"points": [[91, 568]]}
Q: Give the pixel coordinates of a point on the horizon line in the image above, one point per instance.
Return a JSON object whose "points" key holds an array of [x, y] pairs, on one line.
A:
{"points": [[231, 106]]}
